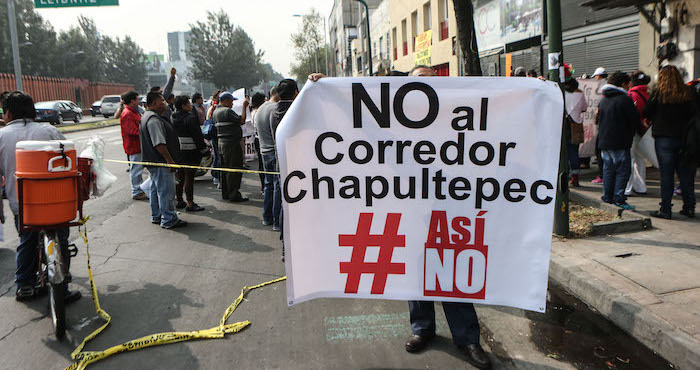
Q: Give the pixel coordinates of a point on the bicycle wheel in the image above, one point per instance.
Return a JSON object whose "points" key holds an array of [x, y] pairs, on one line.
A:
{"points": [[57, 308], [55, 281]]}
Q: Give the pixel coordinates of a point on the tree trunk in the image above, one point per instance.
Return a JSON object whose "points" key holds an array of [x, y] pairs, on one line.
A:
{"points": [[464, 14]]}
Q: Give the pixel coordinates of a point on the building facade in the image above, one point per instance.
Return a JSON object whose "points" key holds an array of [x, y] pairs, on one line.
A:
{"points": [[342, 30], [424, 32]]}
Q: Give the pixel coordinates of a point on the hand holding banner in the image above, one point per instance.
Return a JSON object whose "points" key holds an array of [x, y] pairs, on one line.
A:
{"points": [[421, 189]]}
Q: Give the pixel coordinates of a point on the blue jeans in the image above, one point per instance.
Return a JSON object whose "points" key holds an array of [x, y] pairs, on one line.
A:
{"points": [[617, 166], [272, 203], [217, 160], [27, 256], [461, 317], [667, 150], [136, 174], [162, 196], [574, 165]]}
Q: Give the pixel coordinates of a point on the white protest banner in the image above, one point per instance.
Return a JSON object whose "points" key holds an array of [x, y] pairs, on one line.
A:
{"points": [[592, 90], [428, 188]]}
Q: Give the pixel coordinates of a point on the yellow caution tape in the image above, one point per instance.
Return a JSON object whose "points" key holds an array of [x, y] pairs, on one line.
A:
{"points": [[191, 167], [85, 358]]}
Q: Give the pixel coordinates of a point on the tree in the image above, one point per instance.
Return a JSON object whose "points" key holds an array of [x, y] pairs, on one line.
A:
{"points": [[36, 38], [125, 62], [224, 54], [309, 47], [464, 15]]}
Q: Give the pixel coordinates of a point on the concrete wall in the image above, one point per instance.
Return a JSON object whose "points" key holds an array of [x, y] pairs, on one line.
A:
{"points": [[687, 40], [441, 50]]}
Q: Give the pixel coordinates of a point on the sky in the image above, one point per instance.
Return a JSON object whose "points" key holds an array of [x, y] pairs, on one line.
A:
{"points": [[268, 22]]}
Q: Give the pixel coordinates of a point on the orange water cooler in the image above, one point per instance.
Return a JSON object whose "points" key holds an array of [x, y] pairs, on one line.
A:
{"points": [[47, 174]]}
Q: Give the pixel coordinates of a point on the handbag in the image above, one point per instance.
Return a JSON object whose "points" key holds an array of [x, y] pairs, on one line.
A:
{"points": [[577, 136]]}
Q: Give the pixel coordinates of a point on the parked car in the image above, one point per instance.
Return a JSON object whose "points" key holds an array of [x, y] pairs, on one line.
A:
{"points": [[73, 106], [56, 112], [95, 108], [110, 105]]}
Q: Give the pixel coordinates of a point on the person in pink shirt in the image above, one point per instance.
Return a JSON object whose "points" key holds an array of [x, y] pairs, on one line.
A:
{"points": [[640, 95]]}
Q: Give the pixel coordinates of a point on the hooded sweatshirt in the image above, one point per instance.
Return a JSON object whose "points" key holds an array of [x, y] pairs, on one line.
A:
{"points": [[617, 119], [640, 97]]}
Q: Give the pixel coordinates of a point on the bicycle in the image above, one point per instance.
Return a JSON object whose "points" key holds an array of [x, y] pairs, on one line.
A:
{"points": [[52, 267]]}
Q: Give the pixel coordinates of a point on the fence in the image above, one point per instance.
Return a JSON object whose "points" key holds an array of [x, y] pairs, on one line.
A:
{"points": [[82, 92]]}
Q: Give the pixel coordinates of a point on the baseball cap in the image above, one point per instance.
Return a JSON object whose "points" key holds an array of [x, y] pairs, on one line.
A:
{"points": [[226, 96], [600, 71]]}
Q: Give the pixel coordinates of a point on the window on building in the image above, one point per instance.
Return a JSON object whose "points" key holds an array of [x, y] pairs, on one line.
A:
{"points": [[381, 47], [414, 29], [404, 37], [427, 17], [444, 16], [394, 43], [388, 47]]}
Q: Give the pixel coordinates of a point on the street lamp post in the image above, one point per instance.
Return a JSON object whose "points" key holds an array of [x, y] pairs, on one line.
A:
{"points": [[15, 44], [369, 39]]}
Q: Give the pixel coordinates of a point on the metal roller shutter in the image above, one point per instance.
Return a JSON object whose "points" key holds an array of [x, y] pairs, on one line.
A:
{"points": [[616, 53]]}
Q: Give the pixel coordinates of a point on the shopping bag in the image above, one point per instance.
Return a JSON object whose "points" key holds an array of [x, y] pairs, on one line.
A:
{"points": [[646, 149]]}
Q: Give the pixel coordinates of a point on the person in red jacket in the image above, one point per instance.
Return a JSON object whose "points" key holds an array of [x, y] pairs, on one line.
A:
{"points": [[130, 120], [640, 95]]}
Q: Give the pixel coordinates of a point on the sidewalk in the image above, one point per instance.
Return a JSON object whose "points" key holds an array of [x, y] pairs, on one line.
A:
{"points": [[647, 283]]}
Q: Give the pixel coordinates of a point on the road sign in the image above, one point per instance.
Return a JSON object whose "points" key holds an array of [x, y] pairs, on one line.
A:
{"points": [[73, 3]]}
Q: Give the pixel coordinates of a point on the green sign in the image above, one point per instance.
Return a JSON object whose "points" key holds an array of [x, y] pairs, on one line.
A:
{"points": [[73, 3]]}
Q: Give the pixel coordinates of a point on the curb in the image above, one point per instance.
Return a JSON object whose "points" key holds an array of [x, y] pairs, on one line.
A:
{"points": [[674, 345], [89, 128], [631, 221]]}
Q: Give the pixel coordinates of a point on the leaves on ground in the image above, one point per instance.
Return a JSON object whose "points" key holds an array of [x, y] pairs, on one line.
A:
{"points": [[582, 218]]}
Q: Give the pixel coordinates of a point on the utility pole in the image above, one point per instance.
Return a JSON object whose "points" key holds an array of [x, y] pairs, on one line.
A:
{"points": [[369, 39], [561, 206], [15, 43]]}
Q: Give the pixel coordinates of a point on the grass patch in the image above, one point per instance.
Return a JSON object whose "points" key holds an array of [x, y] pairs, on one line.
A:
{"points": [[582, 218], [83, 126]]}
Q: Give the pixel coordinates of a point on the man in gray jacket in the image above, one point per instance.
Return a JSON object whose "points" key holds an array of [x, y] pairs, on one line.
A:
{"points": [[160, 144], [272, 203]]}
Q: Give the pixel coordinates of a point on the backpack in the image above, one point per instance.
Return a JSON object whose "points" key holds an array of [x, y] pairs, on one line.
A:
{"points": [[209, 129]]}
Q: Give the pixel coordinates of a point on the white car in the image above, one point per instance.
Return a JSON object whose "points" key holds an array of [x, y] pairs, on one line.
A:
{"points": [[110, 105]]}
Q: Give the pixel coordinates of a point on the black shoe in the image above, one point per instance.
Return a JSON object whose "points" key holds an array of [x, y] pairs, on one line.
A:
{"points": [[179, 224], [476, 356], [417, 343], [25, 293], [72, 296], [180, 205], [660, 214], [690, 213], [238, 200]]}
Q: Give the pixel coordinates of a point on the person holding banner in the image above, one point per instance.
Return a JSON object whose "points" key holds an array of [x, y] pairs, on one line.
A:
{"points": [[461, 317]]}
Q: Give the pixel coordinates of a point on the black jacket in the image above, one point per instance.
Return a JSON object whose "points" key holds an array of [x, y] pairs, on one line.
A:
{"points": [[186, 125], [228, 124], [668, 120], [617, 120]]}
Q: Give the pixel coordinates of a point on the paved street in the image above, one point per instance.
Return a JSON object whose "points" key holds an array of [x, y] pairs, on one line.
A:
{"points": [[151, 280]]}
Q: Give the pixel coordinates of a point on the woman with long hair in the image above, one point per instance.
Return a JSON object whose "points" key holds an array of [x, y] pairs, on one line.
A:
{"points": [[671, 108]]}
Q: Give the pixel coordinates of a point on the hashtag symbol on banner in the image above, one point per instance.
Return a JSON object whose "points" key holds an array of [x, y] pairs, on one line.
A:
{"points": [[359, 243]]}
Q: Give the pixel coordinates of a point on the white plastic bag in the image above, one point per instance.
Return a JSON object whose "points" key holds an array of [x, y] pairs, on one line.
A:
{"points": [[647, 150], [95, 150], [146, 187]]}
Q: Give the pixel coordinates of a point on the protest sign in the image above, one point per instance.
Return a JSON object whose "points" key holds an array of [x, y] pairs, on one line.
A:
{"points": [[592, 91], [421, 189]]}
